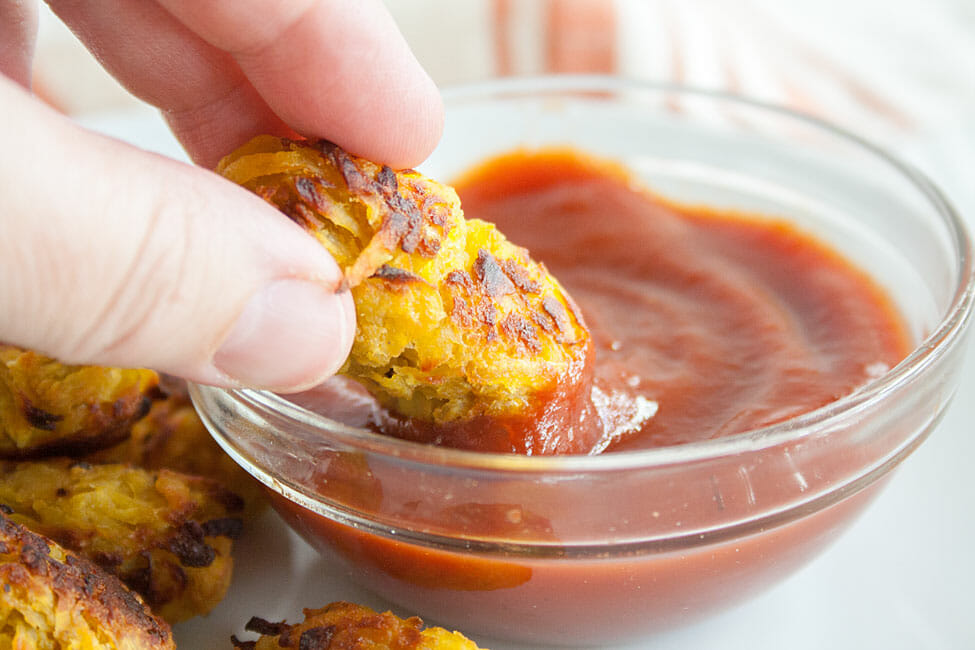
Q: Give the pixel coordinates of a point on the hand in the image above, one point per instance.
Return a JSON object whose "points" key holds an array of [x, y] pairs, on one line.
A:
{"points": [[113, 256]]}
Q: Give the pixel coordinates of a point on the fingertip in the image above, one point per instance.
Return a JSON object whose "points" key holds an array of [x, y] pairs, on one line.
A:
{"points": [[18, 32], [291, 335], [420, 136], [401, 128], [342, 72]]}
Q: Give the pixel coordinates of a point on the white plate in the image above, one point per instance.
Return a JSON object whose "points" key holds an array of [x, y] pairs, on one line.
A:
{"points": [[901, 578]]}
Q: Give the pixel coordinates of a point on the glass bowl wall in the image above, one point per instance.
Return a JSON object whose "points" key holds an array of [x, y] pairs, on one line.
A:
{"points": [[581, 549]]}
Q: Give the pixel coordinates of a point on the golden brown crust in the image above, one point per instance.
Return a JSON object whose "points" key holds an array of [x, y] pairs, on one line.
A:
{"points": [[49, 408], [166, 535], [347, 626], [50, 598], [454, 321], [173, 437]]}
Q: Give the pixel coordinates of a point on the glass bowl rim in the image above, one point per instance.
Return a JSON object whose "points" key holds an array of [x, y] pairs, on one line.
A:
{"points": [[943, 337]]}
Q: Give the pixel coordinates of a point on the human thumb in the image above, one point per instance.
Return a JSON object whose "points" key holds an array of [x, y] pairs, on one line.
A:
{"points": [[113, 256]]}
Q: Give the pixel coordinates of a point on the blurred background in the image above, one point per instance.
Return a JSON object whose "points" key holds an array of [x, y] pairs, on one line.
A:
{"points": [[900, 73]]}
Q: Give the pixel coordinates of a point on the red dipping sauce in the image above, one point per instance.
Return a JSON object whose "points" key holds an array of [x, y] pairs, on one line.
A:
{"points": [[726, 323], [705, 324]]}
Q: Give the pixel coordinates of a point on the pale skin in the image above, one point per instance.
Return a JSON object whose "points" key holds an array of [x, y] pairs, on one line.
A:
{"points": [[112, 256]]}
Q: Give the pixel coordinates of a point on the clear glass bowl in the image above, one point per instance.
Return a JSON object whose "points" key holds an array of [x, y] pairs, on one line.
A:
{"points": [[593, 549]]}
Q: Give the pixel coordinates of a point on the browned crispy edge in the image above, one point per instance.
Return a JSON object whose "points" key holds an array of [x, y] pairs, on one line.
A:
{"points": [[314, 633], [101, 595], [402, 228], [105, 432], [187, 542]]}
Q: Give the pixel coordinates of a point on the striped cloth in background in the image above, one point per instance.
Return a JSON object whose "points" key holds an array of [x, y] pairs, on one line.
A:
{"points": [[901, 73], [879, 65]]}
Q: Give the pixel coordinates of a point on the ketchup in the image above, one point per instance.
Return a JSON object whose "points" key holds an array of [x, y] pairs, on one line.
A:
{"points": [[723, 322], [705, 324]]}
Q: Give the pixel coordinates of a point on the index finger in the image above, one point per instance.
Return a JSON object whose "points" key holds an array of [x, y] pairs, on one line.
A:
{"points": [[329, 68]]}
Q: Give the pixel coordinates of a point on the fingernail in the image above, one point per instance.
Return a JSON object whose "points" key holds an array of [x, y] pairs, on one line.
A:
{"points": [[291, 335]]}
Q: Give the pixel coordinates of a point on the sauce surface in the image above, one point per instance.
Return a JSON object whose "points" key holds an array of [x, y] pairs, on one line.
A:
{"points": [[705, 324], [723, 322], [726, 322]]}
